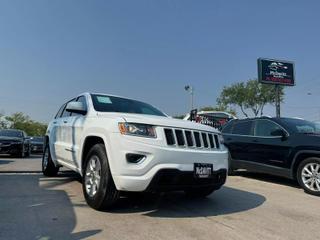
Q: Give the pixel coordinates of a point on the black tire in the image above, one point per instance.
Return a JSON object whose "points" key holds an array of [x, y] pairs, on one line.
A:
{"points": [[231, 170], [106, 194], [200, 192], [28, 153], [302, 165], [48, 167]]}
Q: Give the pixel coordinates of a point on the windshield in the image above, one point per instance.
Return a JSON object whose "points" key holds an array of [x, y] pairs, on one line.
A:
{"points": [[103, 103], [10, 133], [302, 126]]}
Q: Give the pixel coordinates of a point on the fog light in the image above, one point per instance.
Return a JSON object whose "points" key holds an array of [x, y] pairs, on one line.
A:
{"points": [[134, 158]]}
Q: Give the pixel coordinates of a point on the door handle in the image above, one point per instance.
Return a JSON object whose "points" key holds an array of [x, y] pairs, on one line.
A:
{"points": [[228, 139], [55, 122], [255, 141], [65, 121]]}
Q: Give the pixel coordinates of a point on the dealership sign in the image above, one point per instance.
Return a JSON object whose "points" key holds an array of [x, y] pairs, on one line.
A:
{"points": [[276, 72]]}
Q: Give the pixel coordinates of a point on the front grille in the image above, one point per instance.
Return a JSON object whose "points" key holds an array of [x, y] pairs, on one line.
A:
{"points": [[191, 139]]}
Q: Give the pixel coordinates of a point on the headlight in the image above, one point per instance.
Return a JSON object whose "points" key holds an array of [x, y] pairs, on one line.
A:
{"points": [[137, 129]]}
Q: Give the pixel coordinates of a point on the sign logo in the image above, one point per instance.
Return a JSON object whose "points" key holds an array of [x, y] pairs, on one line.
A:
{"points": [[276, 72]]}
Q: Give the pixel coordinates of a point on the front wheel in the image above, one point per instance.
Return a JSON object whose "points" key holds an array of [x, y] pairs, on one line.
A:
{"points": [[48, 167], [98, 187], [308, 175], [200, 192]]}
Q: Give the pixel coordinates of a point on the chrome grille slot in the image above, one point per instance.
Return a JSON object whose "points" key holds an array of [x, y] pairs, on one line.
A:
{"points": [[169, 136], [180, 137], [204, 140], [217, 141], [189, 139], [197, 139], [211, 141]]}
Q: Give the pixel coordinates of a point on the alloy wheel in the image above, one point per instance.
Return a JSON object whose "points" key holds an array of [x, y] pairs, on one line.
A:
{"points": [[92, 176], [311, 176]]}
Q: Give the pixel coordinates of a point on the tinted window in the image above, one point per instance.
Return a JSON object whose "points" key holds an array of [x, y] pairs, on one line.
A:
{"points": [[83, 100], [265, 128], [11, 133], [227, 128], [104, 103], [242, 128], [301, 126], [60, 111]]}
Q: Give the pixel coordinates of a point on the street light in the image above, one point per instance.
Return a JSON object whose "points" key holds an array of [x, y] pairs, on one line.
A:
{"points": [[190, 89]]}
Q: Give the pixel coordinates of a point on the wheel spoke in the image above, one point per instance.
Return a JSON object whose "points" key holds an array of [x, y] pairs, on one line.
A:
{"points": [[306, 174], [307, 170]]}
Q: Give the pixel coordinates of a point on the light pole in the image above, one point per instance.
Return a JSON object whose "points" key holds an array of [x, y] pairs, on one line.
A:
{"points": [[190, 89]]}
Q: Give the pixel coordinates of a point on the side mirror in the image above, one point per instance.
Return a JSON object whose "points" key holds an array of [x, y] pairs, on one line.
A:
{"points": [[76, 107], [279, 133]]}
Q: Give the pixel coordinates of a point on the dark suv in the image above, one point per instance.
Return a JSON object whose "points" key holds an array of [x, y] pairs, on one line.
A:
{"points": [[286, 147]]}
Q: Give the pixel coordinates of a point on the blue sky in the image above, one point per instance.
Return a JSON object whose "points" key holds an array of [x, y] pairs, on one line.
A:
{"points": [[149, 50]]}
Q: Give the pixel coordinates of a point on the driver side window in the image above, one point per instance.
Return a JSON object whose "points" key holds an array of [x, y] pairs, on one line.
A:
{"points": [[266, 128]]}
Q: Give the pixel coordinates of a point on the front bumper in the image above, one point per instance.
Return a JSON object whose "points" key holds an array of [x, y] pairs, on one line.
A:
{"points": [[159, 159], [174, 180], [11, 149]]}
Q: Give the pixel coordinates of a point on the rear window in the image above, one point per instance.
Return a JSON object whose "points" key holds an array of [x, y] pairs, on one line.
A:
{"points": [[242, 128]]}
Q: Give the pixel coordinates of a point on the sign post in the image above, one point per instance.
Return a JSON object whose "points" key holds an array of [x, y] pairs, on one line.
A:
{"points": [[276, 72]]}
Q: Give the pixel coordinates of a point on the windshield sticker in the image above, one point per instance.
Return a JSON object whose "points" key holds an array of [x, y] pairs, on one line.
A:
{"points": [[104, 99]]}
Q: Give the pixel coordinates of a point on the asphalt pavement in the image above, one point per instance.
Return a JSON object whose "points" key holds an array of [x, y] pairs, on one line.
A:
{"points": [[249, 206]]}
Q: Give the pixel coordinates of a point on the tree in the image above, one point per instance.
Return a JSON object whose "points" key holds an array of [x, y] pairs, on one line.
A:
{"points": [[23, 122], [249, 95], [3, 122]]}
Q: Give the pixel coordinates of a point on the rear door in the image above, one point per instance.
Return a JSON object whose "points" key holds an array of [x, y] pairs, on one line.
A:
{"points": [[62, 144], [238, 140], [73, 126], [55, 142], [268, 148]]}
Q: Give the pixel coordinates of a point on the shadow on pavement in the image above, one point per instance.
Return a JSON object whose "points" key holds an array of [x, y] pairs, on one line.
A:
{"points": [[177, 205], [268, 178], [5, 161], [31, 211]]}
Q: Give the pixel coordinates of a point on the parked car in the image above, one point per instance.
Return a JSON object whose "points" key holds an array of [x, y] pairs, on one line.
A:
{"points": [[37, 144], [119, 144], [216, 119], [286, 147], [14, 142]]}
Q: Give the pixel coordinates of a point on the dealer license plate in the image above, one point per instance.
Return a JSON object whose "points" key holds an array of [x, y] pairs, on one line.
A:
{"points": [[202, 170]]}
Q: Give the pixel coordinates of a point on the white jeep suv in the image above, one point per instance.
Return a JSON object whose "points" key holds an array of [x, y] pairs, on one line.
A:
{"points": [[119, 144]]}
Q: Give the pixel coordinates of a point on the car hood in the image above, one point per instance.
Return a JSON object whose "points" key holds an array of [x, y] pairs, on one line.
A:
{"points": [[160, 121], [12, 139]]}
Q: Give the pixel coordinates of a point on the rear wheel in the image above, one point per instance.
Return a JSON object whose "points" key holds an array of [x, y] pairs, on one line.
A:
{"points": [[231, 170], [200, 192], [48, 167], [308, 175], [98, 187]]}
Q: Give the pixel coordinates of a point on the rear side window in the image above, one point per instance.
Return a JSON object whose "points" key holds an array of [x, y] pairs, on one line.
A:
{"points": [[265, 128], [227, 128], [242, 128]]}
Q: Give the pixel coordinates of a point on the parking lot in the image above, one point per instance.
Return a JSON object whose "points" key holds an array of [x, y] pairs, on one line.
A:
{"points": [[249, 206]]}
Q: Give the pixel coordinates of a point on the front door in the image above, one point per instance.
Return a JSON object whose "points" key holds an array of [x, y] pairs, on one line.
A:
{"points": [[268, 147]]}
